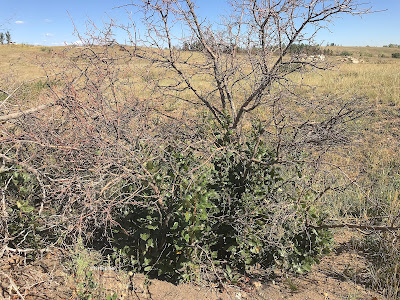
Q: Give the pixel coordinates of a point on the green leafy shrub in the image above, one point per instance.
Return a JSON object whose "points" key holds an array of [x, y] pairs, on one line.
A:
{"points": [[396, 55], [345, 53], [220, 213], [22, 221], [45, 49], [162, 240], [81, 264]]}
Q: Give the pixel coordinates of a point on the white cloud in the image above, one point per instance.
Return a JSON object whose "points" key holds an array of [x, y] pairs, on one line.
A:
{"points": [[49, 34], [47, 20], [77, 43], [19, 22]]}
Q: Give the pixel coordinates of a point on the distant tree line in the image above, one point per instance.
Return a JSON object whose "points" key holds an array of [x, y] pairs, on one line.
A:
{"points": [[294, 49], [392, 46], [5, 37], [198, 46]]}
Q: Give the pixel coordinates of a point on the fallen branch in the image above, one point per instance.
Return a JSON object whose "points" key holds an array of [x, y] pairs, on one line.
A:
{"points": [[12, 284], [25, 112], [27, 250], [356, 226]]}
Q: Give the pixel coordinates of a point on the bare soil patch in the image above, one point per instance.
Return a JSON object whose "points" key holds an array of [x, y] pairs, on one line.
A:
{"points": [[340, 275]]}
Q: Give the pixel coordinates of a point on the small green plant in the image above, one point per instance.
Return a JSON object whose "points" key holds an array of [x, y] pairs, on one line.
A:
{"points": [[45, 49], [346, 53], [383, 254], [396, 55], [292, 285], [112, 297], [82, 262], [365, 54]]}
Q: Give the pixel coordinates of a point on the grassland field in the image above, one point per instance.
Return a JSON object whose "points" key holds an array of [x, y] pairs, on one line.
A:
{"points": [[377, 77]]}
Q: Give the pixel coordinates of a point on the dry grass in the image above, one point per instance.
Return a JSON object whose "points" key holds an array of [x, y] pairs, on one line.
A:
{"points": [[379, 81], [365, 52], [22, 61], [377, 78]]}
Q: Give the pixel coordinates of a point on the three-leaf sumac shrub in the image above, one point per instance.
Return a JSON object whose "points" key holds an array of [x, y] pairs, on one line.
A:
{"points": [[229, 211], [20, 224]]}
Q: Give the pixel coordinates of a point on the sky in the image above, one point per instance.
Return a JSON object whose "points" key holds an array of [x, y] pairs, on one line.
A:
{"points": [[52, 22]]}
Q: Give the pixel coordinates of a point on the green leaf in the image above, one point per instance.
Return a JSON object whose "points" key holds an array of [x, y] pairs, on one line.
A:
{"points": [[150, 243], [113, 297], [187, 216], [144, 236], [147, 261], [248, 261], [27, 209], [187, 237], [228, 269], [152, 227], [232, 248], [148, 268], [307, 267]]}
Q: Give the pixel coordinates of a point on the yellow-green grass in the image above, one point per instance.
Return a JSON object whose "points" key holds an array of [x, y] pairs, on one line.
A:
{"points": [[22, 61], [364, 52], [379, 82], [377, 78]]}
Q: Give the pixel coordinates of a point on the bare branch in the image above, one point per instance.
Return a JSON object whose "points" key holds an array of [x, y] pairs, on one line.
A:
{"points": [[29, 111]]}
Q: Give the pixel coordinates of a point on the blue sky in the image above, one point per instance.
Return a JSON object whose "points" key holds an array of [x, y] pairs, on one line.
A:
{"points": [[49, 23]]}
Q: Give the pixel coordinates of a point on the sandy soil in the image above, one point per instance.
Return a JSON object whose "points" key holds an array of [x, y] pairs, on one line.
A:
{"points": [[339, 276]]}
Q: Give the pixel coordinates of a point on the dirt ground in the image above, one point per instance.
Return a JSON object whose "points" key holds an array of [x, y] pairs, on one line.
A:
{"points": [[338, 276]]}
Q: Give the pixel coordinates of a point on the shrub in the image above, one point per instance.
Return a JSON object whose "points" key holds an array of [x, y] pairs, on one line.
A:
{"points": [[304, 49], [328, 52], [20, 220], [396, 55], [45, 49], [392, 46], [366, 54], [345, 53], [221, 214]]}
